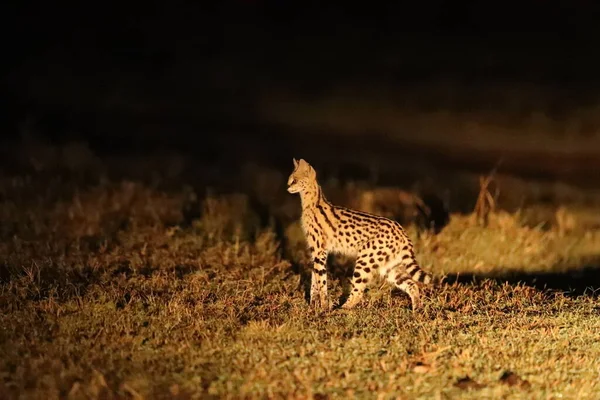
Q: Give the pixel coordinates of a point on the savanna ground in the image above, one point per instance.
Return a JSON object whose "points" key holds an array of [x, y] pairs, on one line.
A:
{"points": [[116, 283], [157, 276]]}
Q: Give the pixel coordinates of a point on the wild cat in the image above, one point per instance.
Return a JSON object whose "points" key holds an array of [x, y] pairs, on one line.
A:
{"points": [[380, 245]]}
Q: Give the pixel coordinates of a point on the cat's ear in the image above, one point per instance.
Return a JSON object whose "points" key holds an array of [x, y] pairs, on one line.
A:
{"points": [[295, 163]]}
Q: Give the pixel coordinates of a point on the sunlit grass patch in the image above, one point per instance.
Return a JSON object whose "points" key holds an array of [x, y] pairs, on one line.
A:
{"points": [[108, 291]]}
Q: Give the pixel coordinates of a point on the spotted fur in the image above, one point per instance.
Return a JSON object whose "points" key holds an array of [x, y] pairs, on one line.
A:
{"points": [[380, 245]]}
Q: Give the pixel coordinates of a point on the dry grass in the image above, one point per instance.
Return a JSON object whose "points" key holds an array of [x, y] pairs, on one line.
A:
{"points": [[433, 116], [108, 290]]}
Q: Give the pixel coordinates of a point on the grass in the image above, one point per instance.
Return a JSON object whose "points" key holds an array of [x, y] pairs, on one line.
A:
{"points": [[493, 118], [111, 288]]}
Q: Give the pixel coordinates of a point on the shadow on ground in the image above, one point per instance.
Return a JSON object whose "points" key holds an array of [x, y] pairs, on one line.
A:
{"points": [[582, 279]]}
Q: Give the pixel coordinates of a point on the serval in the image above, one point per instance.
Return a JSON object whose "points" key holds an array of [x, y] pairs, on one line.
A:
{"points": [[378, 244]]}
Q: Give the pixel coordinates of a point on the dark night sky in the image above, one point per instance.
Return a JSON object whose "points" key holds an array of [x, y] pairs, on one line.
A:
{"points": [[123, 31], [53, 51]]}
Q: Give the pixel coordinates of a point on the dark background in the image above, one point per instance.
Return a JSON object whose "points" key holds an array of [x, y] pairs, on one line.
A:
{"points": [[188, 76]]}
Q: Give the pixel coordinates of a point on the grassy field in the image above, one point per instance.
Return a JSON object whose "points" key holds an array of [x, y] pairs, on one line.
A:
{"points": [[119, 287], [497, 117]]}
